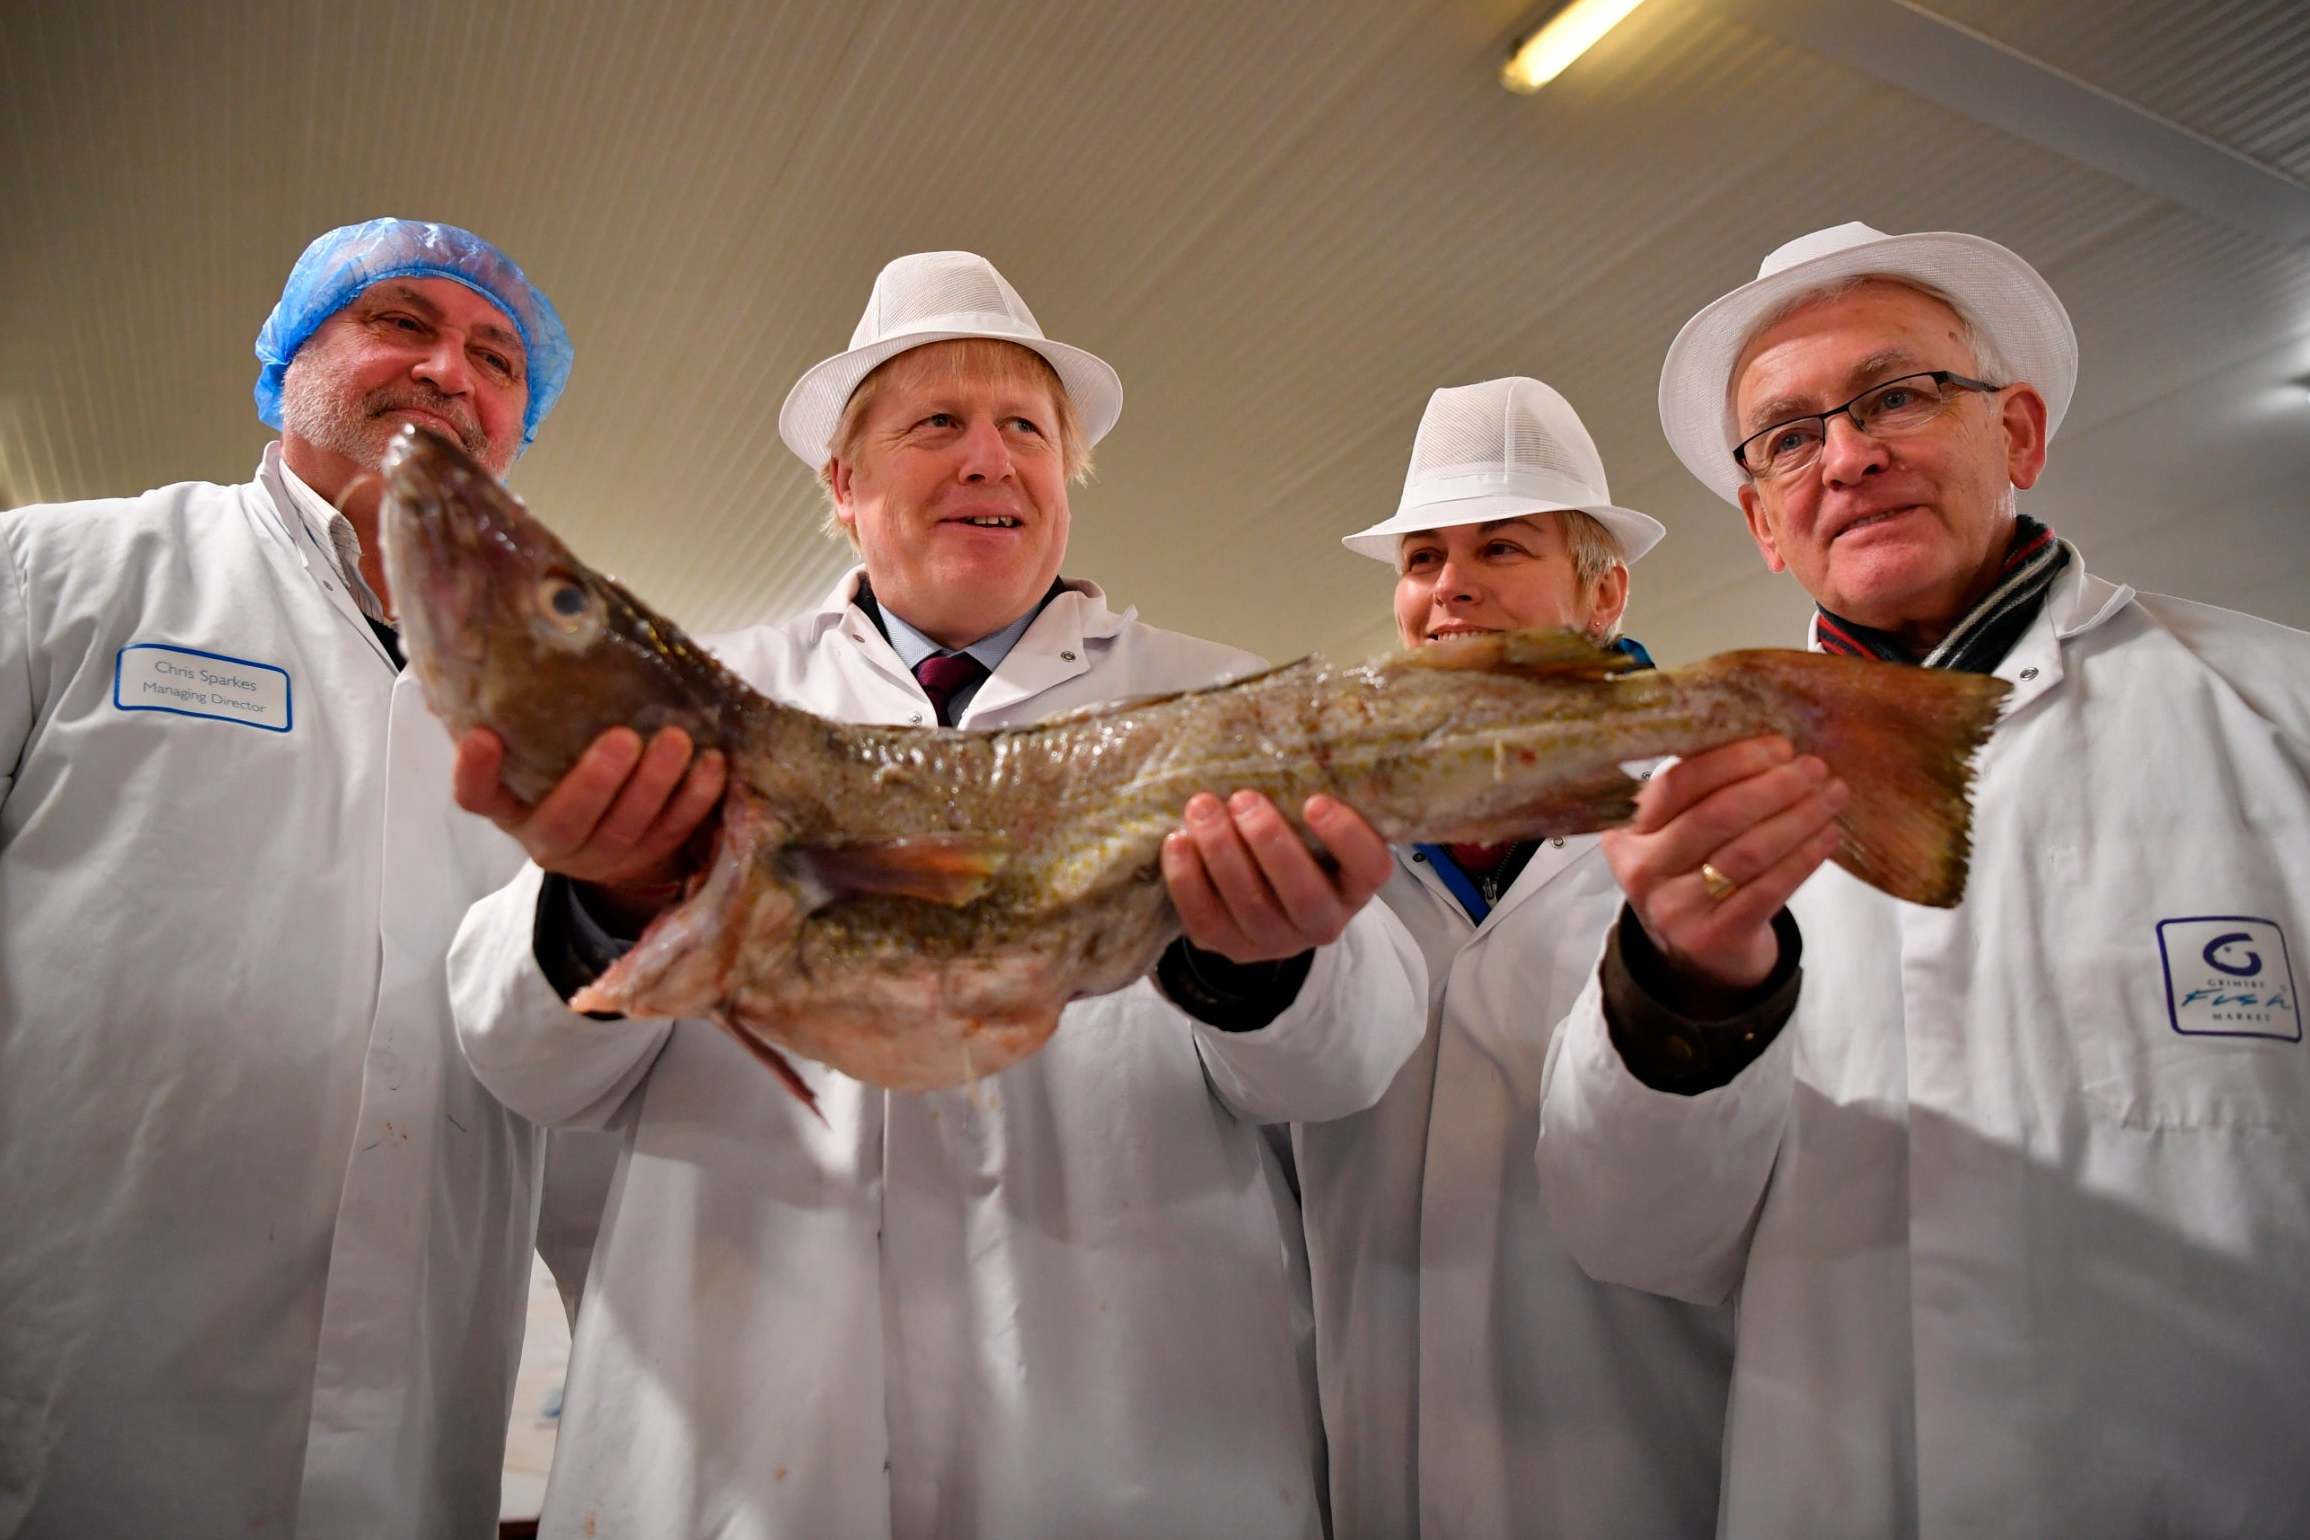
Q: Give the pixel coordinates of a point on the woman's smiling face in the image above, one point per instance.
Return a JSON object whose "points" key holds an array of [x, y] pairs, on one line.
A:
{"points": [[1507, 575]]}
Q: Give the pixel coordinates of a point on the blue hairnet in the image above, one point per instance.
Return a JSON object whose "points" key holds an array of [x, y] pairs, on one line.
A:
{"points": [[342, 263]]}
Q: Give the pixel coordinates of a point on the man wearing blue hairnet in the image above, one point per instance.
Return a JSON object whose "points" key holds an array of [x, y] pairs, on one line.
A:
{"points": [[267, 1243]]}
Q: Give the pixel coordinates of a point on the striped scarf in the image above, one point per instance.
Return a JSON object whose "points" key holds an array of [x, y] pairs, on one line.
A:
{"points": [[1979, 642]]}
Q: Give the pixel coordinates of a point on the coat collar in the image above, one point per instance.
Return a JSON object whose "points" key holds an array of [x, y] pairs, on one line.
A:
{"points": [[1051, 652], [1552, 859], [2078, 602], [282, 514]]}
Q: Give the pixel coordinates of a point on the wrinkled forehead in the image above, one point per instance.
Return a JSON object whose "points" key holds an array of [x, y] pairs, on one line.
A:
{"points": [[965, 363], [442, 300], [1846, 335]]}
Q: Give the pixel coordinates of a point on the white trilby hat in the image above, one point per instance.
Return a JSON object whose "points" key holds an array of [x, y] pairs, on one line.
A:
{"points": [[1500, 450], [938, 296], [2003, 296]]}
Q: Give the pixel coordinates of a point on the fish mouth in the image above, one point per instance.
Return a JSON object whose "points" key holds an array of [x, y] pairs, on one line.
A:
{"points": [[443, 542]]}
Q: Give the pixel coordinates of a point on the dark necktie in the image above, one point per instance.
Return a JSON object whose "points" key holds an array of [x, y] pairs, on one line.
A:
{"points": [[943, 674]]}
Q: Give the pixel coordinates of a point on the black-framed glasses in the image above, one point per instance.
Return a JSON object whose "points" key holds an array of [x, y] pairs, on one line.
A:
{"points": [[1897, 406]]}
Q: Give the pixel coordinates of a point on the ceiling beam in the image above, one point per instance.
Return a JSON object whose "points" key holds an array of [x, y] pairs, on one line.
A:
{"points": [[1948, 63]]}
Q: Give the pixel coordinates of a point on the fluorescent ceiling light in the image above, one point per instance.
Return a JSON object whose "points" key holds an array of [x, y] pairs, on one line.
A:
{"points": [[1567, 35]]}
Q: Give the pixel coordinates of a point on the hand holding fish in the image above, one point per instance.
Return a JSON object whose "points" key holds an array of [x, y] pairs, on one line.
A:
{"points": [[620, 820], [1755, 814], [915, 907], [1247, 887]]}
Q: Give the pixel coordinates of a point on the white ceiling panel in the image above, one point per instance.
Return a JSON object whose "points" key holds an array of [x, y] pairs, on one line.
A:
{"points": [[2235, 71], [1284, 222]]}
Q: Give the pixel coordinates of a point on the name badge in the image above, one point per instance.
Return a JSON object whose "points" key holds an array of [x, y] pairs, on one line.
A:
{"points": [[2229, 975], [186, 682]]}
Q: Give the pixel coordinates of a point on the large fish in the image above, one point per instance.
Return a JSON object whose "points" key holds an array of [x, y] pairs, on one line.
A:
{"points": [[914, 906]]}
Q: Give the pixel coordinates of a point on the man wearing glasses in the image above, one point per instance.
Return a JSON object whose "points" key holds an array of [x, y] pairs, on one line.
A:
{"points": [[2011, 1196]]}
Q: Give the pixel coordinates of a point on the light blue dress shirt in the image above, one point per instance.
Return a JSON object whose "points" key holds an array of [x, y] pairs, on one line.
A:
{"points": [[913, 647]]}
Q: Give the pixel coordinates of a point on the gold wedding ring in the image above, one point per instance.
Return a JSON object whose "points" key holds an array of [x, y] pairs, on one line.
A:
{"points": [[1720, 887]]}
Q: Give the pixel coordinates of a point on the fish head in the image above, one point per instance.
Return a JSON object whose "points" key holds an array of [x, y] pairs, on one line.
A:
{"points": [[509, 631]]}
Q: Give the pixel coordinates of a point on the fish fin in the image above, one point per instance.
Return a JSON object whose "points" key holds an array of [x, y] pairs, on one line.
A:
{"points": [[1604, 800], [777, 1063], [1161, 698], [1903, 740], [1541, 654], [950, 869], [682, 964]]}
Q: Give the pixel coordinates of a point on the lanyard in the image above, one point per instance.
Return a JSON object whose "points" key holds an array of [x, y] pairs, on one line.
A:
{"points": [[1463, 886]]}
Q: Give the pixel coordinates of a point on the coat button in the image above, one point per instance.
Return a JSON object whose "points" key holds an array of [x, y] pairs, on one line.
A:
{"points": [[2029, 673], [1559, 842], [1419, 855], [1066, 657], [916, 718]]}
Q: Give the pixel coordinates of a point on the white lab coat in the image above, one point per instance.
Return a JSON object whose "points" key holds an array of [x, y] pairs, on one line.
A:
{"points": [[445, 1193], [1061, 1303], [2020, 1247], [197, 1013], [1475, 1382]]}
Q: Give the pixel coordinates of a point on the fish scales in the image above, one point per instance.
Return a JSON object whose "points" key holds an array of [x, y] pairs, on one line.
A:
{"points": [[915, 906]]}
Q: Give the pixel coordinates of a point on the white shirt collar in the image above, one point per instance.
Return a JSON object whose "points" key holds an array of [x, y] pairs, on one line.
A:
{"points": [[912, 646], [334, 534], [1090, 605]]}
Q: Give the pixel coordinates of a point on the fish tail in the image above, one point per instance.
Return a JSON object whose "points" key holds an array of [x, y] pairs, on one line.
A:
{"points": [[1903, 740]]}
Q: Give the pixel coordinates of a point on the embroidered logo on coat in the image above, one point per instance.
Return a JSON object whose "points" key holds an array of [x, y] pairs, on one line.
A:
{"points": [[186, 682], [2229, 975]]}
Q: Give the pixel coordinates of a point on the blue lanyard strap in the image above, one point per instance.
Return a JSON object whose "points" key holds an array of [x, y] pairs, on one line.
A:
{"points": [[1462, 885]]}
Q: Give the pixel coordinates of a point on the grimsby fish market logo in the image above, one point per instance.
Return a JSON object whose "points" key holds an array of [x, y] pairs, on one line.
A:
{"points": [[2228, 976], [2246, 965], [2230, 954]]}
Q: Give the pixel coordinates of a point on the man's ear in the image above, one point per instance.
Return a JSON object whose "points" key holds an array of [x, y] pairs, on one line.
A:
{"points": [[1760, 528], [836, 474], [2022, 416]]}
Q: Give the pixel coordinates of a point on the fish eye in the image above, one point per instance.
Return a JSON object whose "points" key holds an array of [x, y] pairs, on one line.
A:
{"points": [[566, 602]]}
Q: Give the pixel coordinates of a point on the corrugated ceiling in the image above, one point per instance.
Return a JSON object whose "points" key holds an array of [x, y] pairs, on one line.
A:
{"points": [[2235, 71], [1284, 223]]}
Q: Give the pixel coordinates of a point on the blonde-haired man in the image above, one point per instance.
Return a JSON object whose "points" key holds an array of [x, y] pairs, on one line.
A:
{"points": [[1062, 1302]]}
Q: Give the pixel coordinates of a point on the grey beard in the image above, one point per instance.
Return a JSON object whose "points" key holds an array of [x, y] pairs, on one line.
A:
{"points": [[317, 406]]}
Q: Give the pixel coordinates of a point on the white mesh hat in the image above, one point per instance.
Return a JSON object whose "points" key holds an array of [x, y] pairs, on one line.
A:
{"points": [[1999, 293], [1500, 450], [938, 296]]}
